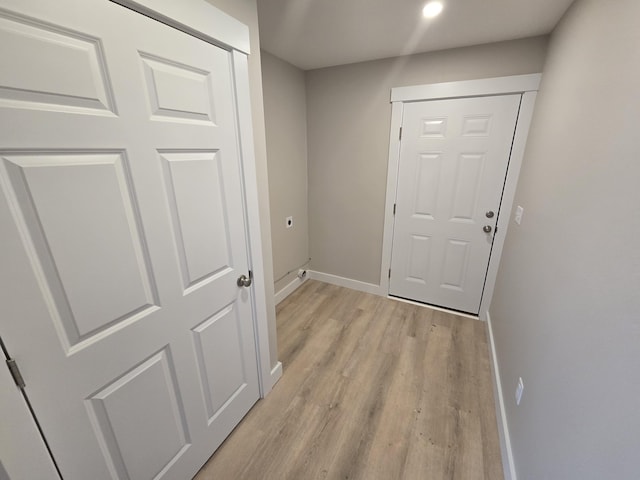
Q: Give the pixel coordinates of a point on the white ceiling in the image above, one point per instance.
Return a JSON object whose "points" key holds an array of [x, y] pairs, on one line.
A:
{"points": [[321, 33]]}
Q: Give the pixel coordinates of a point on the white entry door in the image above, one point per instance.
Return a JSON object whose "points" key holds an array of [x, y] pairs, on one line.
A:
{"points": [[453, 162], [123, 236]]}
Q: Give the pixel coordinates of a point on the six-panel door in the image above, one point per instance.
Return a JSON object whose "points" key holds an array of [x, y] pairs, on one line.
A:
{"points": [[123, 235], [453, 162]]}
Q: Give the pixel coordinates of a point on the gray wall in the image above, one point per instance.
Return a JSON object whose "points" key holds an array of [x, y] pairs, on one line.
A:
{"points": [[246, 11], [285, 115], [566, 308], [349, 117]]}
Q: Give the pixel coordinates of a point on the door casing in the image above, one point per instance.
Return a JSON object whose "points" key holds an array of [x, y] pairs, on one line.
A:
{"points": [[21, 442], [525, 85]]}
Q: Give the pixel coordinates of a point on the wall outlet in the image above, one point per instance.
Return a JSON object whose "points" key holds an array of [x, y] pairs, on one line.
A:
{"points": [[518, 216], [519, 390], [289, 222]]}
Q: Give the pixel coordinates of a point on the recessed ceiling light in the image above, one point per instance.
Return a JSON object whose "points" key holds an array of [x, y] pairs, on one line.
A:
{"points": [[432, 9]]}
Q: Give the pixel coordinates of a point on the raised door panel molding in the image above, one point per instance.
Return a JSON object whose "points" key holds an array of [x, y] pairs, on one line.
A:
{"points": [[219, 349], [418, 259], [426, 185], [454, 267], [39, 77], [476, 125], [178, 92], [469, 170], [195, 186], [77, 212], [140, 419], [434, 127]]}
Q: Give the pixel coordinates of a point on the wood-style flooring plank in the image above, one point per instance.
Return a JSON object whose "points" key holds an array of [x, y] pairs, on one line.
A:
{"points": [[373, 389]]}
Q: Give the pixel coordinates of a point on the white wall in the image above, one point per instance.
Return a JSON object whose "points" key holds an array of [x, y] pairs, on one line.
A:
{"points": [[349, 116], [566, 308], [285, 115], [246, 11]]}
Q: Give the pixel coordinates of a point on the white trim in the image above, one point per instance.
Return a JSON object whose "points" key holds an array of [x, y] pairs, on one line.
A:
{"points": [[276, 373], [288, 289], [518, 84], [508, 464], [346, 282], [508, 195], [256, 261], [468, 88], [198, 18], [392, 182]]}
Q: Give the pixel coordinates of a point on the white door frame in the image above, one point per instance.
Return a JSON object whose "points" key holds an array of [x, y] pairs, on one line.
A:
{"points": [[525, 85], [22, 452]]}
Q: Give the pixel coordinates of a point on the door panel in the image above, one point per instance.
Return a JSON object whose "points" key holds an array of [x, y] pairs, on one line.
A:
{"points": [[145, 396], [426, 185], [468, 175], [453, 161], [43, 82], [196, 200], [177, 92], [90, 232], [218, 345], [456, 263], [419, 255], [123, 236]]}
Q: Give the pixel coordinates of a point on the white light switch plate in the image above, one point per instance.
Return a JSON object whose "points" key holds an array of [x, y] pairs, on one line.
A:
{"points": [[519, 390], [518, 216]]}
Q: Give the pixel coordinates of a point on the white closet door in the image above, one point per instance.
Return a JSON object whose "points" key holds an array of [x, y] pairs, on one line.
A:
{"points": [[453, 162], [123, 236]]}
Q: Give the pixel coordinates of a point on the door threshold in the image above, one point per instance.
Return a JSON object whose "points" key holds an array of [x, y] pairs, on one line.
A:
{"points": [[434, 307]]}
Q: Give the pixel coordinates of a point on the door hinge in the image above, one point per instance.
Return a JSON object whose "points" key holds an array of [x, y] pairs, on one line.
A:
{"points": [[15, 373], [394, 208], [389, 273], [400, 134]]}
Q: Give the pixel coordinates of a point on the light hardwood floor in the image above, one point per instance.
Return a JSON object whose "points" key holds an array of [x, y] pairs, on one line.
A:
{"points": [[373, 389]]}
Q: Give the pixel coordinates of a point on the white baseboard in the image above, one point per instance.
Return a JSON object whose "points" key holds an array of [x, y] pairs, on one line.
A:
{"points": [[289, 288], [276, 373], [508, 464], [346, 282]]}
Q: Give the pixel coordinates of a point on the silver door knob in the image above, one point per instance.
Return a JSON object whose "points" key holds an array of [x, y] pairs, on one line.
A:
{"points": [[489, 214], [486, 229], [244, 281]]}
